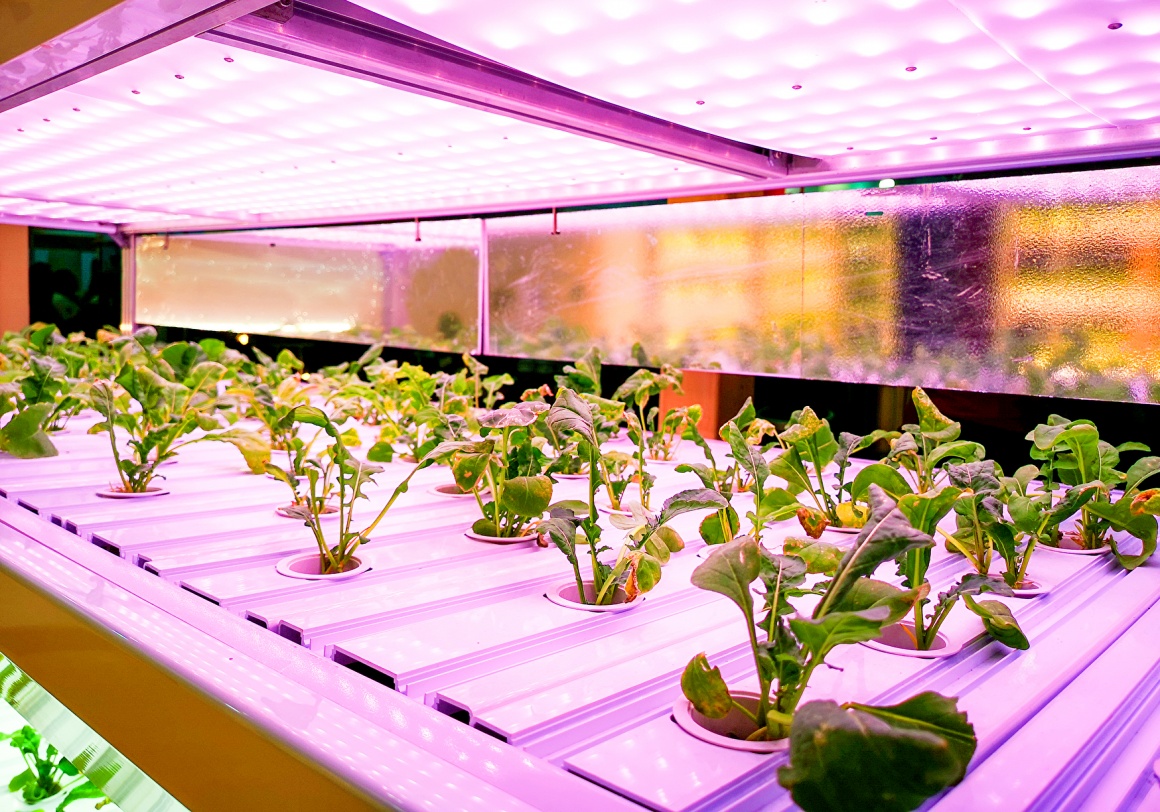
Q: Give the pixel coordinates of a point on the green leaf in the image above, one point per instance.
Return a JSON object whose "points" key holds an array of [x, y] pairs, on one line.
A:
{"points": [[712, 530], [81, 791], [690, 500], [571, 412], [868, 593], [23, 436], [1140, 524], [887, 535], [704, 686], [1140, 470], [526, 496], [381, 452], [819, 556], [882, 475], [888, 759], [980, 477], [926, 510], [729, 570], [523, 413], [788, 466], [21, 780], [999, 622], [314, 416], [821, 635], [749, 457], [933, 424]]}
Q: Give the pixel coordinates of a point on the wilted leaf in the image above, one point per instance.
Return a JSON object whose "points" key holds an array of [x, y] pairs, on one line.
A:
{"points": [[704, 686]]}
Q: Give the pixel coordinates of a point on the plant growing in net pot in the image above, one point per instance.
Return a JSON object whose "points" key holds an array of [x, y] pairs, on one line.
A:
{"points": [[346, 476], [919, 457], [170, 415], [508, 465], [49, 778], [842, 757], [924, 511], [649, 542], [1108, 500], [644, 423], [808, 440]]}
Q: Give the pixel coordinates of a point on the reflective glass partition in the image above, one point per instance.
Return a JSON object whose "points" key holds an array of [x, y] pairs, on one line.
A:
{"points": [[1043, 284], [361, 283]]}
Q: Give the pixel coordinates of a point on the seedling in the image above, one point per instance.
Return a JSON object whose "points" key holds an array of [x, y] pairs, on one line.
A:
{"points": [[340, 471], [48, 775], [650, 541], [841, 756]]}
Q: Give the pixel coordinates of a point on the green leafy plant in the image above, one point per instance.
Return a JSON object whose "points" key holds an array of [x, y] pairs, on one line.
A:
{"points": [[342, 473], [896, 746], [47, 775], [169, 414], [507, 464], [808, 439], [924, 511], [1071, 453], [649, 542], [645, 423]]}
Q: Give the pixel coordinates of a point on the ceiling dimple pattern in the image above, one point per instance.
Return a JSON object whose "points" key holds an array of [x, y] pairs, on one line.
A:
{"points": [[848, 58], [257, 137]]}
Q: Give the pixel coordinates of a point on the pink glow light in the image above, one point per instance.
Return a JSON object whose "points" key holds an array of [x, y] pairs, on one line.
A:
{"points": [[981, 69], [260, 138]]}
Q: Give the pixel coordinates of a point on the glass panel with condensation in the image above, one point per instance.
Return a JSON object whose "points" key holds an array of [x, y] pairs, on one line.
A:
{"points": [[356, 283], [713, 284], [1040, 284]]}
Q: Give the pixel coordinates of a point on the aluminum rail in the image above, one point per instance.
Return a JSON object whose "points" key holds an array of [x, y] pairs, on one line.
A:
{"points": [[347, 39], [125, 32]]}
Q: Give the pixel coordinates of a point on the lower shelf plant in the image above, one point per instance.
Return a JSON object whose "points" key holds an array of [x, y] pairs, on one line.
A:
{"points": [[50, 779], [849, 756]]}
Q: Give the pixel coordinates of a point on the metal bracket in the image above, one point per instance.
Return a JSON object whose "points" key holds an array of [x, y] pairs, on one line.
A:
{"points": [[279, 12]]}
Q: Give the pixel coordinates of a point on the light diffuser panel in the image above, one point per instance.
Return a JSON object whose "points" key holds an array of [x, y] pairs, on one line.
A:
{"points": [[829, 77], [199, 130]]}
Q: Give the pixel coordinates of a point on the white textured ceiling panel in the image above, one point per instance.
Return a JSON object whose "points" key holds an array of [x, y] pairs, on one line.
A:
{"points": [[827, 77], [1105, 56], [198, 130]]}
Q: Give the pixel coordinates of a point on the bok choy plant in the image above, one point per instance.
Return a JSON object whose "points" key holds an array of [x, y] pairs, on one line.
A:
{"points": [[48, 775], [808, 439], [650, 540], [1071, 453], [169, 411], [645, 424], [348, 476], [842, 757], [507, 464]]}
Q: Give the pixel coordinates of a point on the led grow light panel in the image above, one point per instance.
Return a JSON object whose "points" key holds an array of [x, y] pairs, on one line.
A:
{"points": [[835, 77], [200, 130]]}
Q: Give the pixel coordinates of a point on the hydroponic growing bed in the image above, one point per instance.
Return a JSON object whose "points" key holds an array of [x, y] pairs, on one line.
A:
{"points": [[472, 658]]}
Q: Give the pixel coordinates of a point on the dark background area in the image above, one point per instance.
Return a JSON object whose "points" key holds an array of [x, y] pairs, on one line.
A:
{"points": [[75, 282], [74, 279], [999, 422]]}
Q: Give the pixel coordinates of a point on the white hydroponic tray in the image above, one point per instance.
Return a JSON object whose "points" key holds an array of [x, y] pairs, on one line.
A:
{"points": [[465, 629]]}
